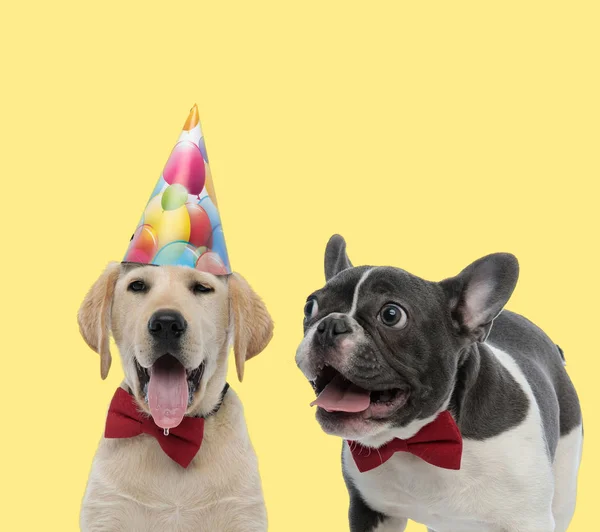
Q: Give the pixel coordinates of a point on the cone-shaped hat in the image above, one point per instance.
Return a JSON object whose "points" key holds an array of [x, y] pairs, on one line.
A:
{"points": [[181, 225]]}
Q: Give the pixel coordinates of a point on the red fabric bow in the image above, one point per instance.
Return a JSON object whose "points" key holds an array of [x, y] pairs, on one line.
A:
{"points": [[125, 420], [439, 443]]}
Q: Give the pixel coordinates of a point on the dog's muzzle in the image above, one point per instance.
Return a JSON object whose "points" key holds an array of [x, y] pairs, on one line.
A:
{"points": [[331, 329], [167, 326]]}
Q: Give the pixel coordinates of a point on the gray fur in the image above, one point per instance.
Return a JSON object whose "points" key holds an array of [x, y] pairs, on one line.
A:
{"points": [[499, 272], [443, 352], [336, 259], [499, 406], [542, 362], [361, 517], [486, 400], [433, 358], [440, 355]]}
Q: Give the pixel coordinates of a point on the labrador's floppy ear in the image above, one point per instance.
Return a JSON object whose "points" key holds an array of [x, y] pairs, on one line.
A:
{"points": [[336, 258], [252, 323], [478, 294], [94, 315]]}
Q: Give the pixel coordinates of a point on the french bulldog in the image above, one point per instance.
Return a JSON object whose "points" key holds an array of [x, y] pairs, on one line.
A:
{"points": [[454, 413]]}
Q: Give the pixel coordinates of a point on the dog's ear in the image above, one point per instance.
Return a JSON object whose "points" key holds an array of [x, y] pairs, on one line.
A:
{"points": [[478, 294], [336, 258], [94, 315], [252, 323]]}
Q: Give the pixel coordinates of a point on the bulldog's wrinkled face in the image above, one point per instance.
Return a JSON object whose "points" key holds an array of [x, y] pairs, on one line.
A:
{"points": [[381, 347]]}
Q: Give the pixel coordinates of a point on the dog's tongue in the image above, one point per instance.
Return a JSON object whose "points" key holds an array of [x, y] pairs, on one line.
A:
{"points": [[341, 395], [167, 392]]}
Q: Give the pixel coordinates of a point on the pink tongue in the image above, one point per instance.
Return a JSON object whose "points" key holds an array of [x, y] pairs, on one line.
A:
{"points": [[342, 396], [167, 393]]}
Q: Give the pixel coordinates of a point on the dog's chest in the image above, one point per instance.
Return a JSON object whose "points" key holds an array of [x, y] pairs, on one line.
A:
{"points": [[148, 475], [135, 486], [496, 477], [503, 480]]}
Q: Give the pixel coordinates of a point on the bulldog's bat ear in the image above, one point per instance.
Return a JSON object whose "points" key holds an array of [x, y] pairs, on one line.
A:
{"points": [[478, 294], [336, 259]]}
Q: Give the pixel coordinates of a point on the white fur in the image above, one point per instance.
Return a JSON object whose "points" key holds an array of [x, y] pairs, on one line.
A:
{"points": [[565, 468], [505, 484], [355, 296], [302, 358], [135, 487]]}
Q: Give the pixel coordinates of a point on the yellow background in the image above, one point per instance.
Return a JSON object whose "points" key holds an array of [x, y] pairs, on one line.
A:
{"points": [[427, 134]]}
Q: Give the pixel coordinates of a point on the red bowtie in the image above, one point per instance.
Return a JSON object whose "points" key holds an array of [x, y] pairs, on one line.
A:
{"points": [[439, 443], [125, 420]]}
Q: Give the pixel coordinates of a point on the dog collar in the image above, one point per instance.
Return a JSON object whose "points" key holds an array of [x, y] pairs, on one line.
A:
{"points": [[218, 405]]}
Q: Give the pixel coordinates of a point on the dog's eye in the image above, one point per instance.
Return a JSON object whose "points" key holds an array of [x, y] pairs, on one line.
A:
{"points": [[199, 288], [393, 316], [311, 308], [137, 286]]}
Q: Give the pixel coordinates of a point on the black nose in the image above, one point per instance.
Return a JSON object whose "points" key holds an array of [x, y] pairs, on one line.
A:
{"points": [[167, 324], [331, 327]]}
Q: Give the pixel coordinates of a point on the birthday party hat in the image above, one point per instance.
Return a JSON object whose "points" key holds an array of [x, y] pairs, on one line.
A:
{"points": [[181, 225]]}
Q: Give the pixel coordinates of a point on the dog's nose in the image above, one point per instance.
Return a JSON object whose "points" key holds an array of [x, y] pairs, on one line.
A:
{"points": [[332, 327], [167, 324]]}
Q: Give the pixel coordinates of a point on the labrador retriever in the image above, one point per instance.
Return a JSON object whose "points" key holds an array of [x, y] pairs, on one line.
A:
{"points": [[173, 326]]}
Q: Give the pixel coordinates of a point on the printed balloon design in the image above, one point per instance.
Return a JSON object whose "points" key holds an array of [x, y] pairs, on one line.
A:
{"points": [[177, 254], [200, 226], [211, 262], [209, 187], [211, 210], [143, 245], [174, 197], [168, 225], [218, 245], [158, 188], [202, 147], [186, 167]]}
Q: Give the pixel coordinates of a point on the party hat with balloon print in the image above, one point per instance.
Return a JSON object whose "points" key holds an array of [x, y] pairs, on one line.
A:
{"points": [[181, 225]]}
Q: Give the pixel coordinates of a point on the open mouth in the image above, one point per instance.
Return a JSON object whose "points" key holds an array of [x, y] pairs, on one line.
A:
{"points": [[168, 388], [336, 393]]}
